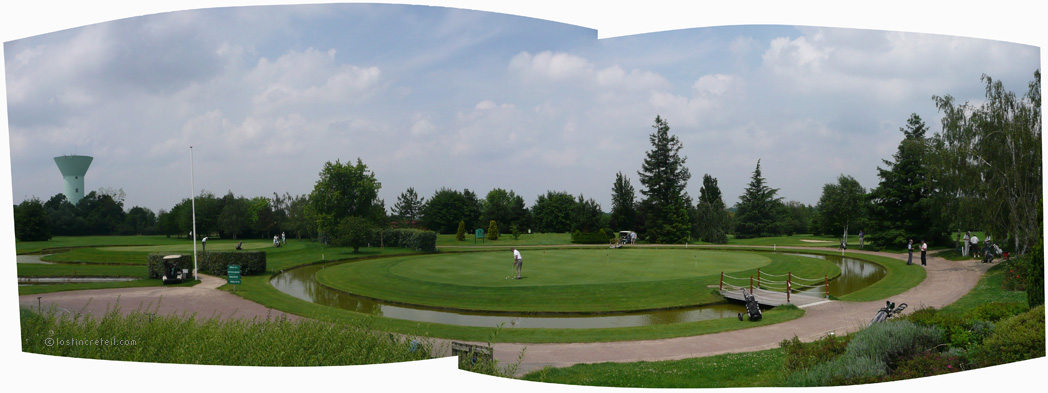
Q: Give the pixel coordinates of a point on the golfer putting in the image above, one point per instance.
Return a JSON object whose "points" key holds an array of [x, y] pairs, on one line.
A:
{"points": [[517, 262]]}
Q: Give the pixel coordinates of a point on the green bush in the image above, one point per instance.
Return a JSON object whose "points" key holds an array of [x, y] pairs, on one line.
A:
{"points": [[493, 231], [996, 311], [460, 234], [599, 237], [961, 332], [927, 364], [871, 353], [802, 356], [214, 263], [413, 239], [1017, 338]]}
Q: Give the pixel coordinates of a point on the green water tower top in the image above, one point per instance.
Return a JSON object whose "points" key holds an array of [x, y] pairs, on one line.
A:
{"points": [[73, 169]]}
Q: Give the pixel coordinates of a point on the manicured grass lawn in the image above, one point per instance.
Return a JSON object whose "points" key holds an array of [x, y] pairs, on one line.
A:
{"points": [[94, 241], [79, 270], [987, 290], [749, 369], [561, 280]]}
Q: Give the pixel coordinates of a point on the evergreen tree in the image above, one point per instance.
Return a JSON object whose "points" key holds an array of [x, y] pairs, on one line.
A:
{"points": [[623, 204], [460, 233], [664, 178], [758, 209], [711, 218], [898, 205], [409, 205]]}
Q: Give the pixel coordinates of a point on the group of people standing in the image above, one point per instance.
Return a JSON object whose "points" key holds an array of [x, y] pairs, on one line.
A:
{"points": [[971, 245]]}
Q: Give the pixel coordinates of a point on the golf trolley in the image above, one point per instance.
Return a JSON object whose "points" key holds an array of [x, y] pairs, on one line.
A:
{"points": [[753, 309], [992, 251], [889, 310]]}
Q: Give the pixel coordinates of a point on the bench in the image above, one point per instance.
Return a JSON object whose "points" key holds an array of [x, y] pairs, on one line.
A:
{"points": [[471, 352]]}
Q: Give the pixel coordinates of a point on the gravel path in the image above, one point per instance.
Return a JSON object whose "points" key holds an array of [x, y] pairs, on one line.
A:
{"points": [[203, 300], [946, 282]]}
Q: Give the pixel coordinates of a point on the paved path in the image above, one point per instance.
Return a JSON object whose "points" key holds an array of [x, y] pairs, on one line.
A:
{"points": [[203, 300], [946, 282]]}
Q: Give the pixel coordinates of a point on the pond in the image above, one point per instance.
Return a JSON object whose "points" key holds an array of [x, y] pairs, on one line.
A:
{"points": [[301, 283]]}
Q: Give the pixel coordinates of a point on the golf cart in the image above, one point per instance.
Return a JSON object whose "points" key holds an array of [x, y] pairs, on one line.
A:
{"points": [[626, 237], [172, 273]]}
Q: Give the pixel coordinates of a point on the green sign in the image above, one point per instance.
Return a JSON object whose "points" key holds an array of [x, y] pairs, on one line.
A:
{"points": [[233, 273]]}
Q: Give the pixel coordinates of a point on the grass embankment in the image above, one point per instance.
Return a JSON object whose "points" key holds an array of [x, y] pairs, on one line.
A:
{"points": [[144, 337], [561, 280]]}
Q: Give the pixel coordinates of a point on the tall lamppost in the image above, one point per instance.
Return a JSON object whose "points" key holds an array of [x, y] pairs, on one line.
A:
{"points": [[192, 196]]}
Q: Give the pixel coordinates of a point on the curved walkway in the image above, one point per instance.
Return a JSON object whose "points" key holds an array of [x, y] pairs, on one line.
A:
{"points": [[946, 282], [203, 300]]}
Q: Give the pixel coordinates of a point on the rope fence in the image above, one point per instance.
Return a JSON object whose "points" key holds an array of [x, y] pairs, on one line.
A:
{"points": [[786, 286]]}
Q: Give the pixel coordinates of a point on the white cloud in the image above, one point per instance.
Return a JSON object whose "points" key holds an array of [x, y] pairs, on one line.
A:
{"points": [[550, 67]]}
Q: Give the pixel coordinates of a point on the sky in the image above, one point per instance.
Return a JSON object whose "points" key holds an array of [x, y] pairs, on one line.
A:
{"points": [[433, 97], [534, 96]]}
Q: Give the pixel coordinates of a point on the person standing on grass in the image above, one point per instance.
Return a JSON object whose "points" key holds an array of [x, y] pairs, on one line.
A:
{"points": [[203, 243], [924, 253], [862, 239], [518, 262], [909, 249], [965, 246]]}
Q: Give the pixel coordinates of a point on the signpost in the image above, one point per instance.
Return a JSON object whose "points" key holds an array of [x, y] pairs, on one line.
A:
{"points": [[479, 235], [233, 275]]}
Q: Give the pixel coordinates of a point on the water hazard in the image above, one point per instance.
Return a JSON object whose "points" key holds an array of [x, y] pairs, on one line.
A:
{"points": [[301, 283]]}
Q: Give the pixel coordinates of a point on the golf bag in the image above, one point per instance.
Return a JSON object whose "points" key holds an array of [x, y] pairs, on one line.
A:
{"points": [[753, 309], [991, 252], [889, 310]]}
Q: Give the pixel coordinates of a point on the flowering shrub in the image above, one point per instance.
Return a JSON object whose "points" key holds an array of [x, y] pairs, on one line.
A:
{"points": [[926, 364], [801, 356]]}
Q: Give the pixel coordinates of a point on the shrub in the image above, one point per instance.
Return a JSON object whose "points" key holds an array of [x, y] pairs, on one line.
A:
{"points": [[413, 239], [996, 311], [460, 234], [961, 332], [493, 231], [927, 364], [870, 354], [214, 263], [599, 237], [1017, 338], [802, 356]]}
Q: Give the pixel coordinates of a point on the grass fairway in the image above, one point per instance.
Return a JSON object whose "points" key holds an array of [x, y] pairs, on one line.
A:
{"points": [[562, 280]]}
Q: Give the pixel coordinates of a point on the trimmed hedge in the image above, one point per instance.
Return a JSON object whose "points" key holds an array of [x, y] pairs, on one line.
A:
{"points": [[412, 239], [599, 237], [213, 262]]}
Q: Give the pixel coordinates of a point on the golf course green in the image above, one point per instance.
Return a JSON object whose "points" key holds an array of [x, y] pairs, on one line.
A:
{"points": [[561, 280]]}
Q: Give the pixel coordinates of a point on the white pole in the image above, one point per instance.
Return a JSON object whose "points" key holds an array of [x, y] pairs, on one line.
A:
{"points": [[192, 196]]}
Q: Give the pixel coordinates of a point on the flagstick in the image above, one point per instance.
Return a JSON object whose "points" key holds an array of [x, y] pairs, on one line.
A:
{"points": [[192, 196]]}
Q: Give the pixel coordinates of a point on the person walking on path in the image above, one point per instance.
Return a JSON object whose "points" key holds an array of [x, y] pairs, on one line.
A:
{"points": [[967, 239], [924, 253], [909, 249], [518, 262]]}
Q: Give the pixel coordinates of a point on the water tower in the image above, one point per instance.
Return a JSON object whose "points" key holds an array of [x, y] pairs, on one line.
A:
{"points": [[73, 170]]}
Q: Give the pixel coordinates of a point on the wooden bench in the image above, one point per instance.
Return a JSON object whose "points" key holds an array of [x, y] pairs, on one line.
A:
{"points": [[471, 352]]}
